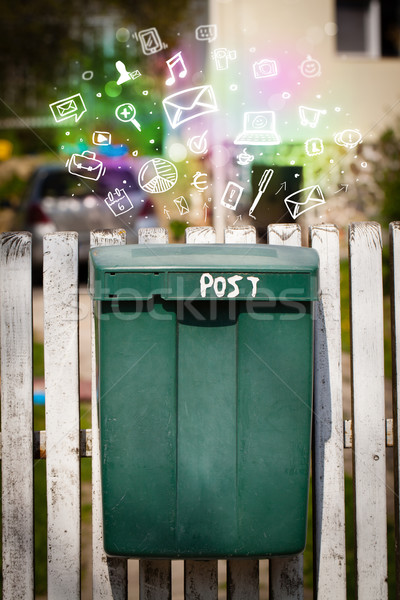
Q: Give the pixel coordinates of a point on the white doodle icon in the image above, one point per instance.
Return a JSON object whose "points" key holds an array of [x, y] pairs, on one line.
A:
{"points": [[189, 104], [73, 106], [207, 33], [101, 138], [232, 194], [126, 112], [244, 158], [349, 138], [124, 75], [312, 195], [198, 143], [310, 67], [200, 181], [310, 116], [85, 165], [118, 202], [265, 68], [150, 41], [182, 205], [157, 176], [258, 129], [314, 146], [222, 56], [177, 59], [262, 186]]}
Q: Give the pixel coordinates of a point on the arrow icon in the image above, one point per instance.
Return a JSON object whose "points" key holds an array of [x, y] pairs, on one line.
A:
{"points": [[343, 188], [283, 186], [166, 212], [238, 219], [205, 207]]}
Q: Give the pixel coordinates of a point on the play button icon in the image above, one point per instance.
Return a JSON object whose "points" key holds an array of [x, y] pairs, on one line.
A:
{"points": [[101, 138]]}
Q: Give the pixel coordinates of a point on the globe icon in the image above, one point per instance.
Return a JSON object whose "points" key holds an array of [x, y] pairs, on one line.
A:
{"points": [[157, 176]]}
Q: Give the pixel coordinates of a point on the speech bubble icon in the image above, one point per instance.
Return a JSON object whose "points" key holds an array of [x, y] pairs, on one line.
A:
{"points": [[206, 32], [73, 106]]}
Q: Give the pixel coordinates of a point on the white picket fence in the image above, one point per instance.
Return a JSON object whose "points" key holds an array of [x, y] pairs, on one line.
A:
{"points": [[62, 444]]}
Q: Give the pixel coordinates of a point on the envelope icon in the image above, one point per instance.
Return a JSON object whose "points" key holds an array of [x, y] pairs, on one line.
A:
{"points": [[67, 107], [189, 104], [182, 205], [302, 200]]}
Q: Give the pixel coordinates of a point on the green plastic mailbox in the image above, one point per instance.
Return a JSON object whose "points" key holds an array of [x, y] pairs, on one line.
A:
{"points": [[205, 357]]}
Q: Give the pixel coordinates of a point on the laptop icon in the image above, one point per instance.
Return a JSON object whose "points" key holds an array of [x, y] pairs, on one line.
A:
{"points": [[258, 129]]}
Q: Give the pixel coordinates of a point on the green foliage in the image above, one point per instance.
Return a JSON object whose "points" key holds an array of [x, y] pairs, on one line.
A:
{"points": [[387, 173], [178, 229]]}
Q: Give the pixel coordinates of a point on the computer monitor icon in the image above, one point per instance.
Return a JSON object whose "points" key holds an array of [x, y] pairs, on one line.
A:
{"points": [[259, 129]]}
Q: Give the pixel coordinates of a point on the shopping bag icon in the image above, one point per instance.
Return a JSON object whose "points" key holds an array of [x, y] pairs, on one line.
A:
{"points": [[182, 205], [86, 165], [189, 104], [119, 202], [302, 200]]}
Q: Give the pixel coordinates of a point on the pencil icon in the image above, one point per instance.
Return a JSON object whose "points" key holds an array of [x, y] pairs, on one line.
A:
{"points": [[262, 186]]}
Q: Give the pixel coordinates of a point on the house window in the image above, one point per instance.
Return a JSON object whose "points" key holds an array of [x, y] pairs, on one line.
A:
{"points": [[368, 27]]}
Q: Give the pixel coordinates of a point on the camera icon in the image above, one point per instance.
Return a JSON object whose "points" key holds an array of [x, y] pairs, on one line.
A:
{"points": [[265, 68]]}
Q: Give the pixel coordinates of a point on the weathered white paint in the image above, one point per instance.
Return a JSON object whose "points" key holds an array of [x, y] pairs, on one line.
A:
{"points": [[16, 415], [109, 574], [201, 580], [200, 235], [368, 410], [240, 235], [394, 231], [242, 575], [286, 574], [201, 576], [328, 464], [153, 235], [155, 580], [154, 575], [60, 302]]}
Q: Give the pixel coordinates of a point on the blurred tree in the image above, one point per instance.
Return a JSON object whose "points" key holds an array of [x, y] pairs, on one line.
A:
{"points": [[387, 173], [41, 41]]}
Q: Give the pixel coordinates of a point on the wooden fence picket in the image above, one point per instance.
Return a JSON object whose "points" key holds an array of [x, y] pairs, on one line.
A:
{"points": [[60, 302], [109, 575], [16, 416], [154, 575], [201, 576], [368, 410], [286, 574], [328, 463], [394, 231], [242, 575], [62, 444]]}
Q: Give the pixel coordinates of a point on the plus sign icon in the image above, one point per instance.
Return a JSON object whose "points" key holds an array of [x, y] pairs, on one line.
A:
{"points": [[126, 112]]}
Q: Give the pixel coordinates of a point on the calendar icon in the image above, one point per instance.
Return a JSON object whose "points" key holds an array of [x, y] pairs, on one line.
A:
{"points": [[118, 202]]}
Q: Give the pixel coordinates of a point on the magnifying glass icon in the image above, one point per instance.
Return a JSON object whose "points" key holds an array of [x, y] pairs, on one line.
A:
{"points": [[125, 113]]}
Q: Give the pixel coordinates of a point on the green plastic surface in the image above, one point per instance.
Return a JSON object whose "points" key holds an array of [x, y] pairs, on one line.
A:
{"points": [[205, 422]]}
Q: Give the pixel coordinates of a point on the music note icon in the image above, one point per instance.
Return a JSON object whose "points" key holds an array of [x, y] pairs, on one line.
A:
{"points": [[171, 62]]}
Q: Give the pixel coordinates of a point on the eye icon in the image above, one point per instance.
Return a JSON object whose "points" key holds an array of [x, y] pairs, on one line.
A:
{"points": [[259, 122]]}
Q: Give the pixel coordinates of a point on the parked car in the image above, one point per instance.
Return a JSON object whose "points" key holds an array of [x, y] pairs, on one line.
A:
{"points": [[56, 200]]}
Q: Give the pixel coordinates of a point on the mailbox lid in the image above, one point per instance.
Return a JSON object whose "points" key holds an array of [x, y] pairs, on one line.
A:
{"points": [[182, 271]]}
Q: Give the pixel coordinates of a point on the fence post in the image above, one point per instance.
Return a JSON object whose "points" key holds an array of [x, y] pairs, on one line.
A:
{"points": [[16, 416], [242, 575], [109, 574], [286, 574], [368, 410], [60, 302], [394, 230], [328, 466]]}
